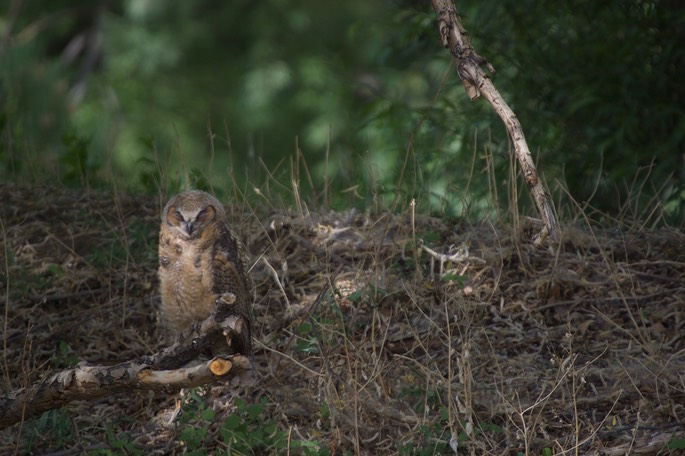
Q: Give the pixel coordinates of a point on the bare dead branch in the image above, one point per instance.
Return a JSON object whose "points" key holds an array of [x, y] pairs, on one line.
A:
{"points": [[477, 82], [161, 372]]}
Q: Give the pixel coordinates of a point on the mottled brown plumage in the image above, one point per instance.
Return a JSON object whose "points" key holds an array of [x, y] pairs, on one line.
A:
{"points": [[200, 259]]}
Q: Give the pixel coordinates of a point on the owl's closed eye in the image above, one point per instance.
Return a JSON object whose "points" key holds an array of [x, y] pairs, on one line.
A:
{"points": [[190, 221]]}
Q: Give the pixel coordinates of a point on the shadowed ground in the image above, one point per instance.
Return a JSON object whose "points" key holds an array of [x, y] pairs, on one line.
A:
{"points": [[375, 333]]}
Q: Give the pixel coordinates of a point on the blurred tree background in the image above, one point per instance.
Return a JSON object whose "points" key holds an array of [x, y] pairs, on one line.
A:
{"points": [[356, 101]]}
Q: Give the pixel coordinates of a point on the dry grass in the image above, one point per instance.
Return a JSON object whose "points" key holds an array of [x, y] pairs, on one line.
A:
{"points": [[376, 333]]}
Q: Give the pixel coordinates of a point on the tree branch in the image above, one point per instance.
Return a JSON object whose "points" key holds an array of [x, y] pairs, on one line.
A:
{"points": [[477, 82], [160, 372]]}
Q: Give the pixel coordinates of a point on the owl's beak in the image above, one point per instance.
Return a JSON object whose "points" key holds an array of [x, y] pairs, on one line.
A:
{"points": [[188, 228]]}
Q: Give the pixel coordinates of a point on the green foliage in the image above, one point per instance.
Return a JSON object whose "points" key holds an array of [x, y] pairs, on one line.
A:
{"points": [[78, 166], [194, 420], [460, 280], [369, 296], [116, 248], [165, 94], [53, 429], [601, 111], [435, 435], [676, 443], [118, 444], [434, 440], [25, 280], [64, 357], [248, 430], [307, 343]]}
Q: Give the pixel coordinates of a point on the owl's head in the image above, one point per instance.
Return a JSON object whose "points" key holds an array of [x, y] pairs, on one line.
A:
{"points": [[189, 212]]}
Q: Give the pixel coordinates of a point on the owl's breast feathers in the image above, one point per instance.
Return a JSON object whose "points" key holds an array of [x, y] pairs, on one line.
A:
{"points": [[186, 284], [195, 273]]}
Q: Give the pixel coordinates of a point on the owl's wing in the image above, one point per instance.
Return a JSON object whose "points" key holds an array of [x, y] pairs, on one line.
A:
{"points": [[229, 271]]}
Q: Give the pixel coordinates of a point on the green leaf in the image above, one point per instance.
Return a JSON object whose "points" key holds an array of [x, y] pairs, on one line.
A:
{"points": [[233, 422], [459, 279], [208, 414], [677, 443], [304, 329]]}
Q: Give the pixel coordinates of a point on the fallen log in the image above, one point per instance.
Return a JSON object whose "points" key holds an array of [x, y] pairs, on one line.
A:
{"points": [[165, 371]]}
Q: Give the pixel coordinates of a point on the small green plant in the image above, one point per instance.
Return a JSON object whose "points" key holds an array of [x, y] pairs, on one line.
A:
{"points": [[194, 437], [369, 296], [139, 244], [307, 343], [26, 280], [248, 430], [431, 237], [421, 397], [195, 419], [433, 439], [64, 357], [78, 162], [434, 435], [52, 429], [677, 443], [460, 280], [119, 444]]}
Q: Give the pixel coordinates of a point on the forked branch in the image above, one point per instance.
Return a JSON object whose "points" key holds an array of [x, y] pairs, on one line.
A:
{"points": [[161, 372]]}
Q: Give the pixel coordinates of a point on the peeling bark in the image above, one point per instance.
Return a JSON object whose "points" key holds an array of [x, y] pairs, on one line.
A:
{"points": [[477, 83], [160, 372]]}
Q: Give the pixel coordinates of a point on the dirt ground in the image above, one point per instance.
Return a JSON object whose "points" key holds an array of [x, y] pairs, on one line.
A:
{"points": [[376, 334]]}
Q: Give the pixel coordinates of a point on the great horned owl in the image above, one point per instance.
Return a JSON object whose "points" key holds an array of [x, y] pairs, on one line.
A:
{"points": [[200, 259]]}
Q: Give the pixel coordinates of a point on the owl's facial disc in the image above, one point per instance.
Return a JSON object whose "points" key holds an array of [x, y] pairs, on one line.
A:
{"points": [[188, 222]]}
